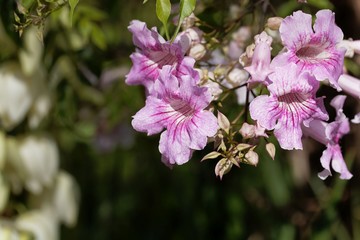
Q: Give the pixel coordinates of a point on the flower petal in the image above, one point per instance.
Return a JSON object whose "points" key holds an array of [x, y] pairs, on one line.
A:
{"points": [[325, 161], [265, 110], [143, 37], [325, 27], [288, 134], [174, 152], [150, 118], [296, 30], [338, 163]]}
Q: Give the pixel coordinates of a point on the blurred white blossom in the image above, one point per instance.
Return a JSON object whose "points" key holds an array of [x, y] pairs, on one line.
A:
{"points": [[30, 56], [34, 160], [15, 95], [4, 193], [41, 223], [39, 110]]}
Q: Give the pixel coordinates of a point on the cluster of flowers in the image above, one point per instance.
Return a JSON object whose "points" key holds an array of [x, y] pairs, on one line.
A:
{"points": [[178, 97], [29, 160]]}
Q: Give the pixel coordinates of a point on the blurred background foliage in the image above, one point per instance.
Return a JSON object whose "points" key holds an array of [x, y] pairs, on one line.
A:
{"points": [[126, 192]]}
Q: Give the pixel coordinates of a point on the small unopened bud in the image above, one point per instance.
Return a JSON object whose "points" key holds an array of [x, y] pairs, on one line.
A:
{"points": [[302, 1], [247, 131], [351, 47], [237, 77], [252, 158], [356, 119], [189, 21], [222, 167], [245, 58], [223, 122], [273, 23], [197, 52], [270, 148], [350, 85]]}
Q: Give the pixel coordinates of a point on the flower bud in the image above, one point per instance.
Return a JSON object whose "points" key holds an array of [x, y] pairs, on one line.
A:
{"points": [[247, 131], [222, 167], [189, 21], [350, 85], [237, 77], [245, 58], [351, 46], [274, 23], [252, 158], [270, 148], [197, 52], [223, 122], [260, 63]]}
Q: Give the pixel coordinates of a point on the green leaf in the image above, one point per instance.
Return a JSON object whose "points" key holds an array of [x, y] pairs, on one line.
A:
{"points": [[321, 4], [186, 8], [163, 9], [73, 4], [98, 37], [26, 3], [145, 1]]}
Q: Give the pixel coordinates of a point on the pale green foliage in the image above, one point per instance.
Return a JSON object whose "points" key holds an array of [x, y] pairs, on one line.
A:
{"points": [[186, 8], [163, 10], [73, 4]]}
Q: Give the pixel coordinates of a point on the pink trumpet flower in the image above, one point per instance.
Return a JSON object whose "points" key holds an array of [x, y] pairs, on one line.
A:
{"points": [[260, 64], [291, 103], [153, 53], [330, 134], [177, 105], [315, 49]]}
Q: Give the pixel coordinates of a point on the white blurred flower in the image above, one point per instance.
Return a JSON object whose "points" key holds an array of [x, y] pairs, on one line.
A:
{"points": [[198, 51], [2, 149], [30, 56], [41, 223], [66, 199], [15, 95], [237, 77], [9, 232], [62, 197], [34, 162], [274, 23], [4, 193], [214, 89], [242, 36], [39, 110]]}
